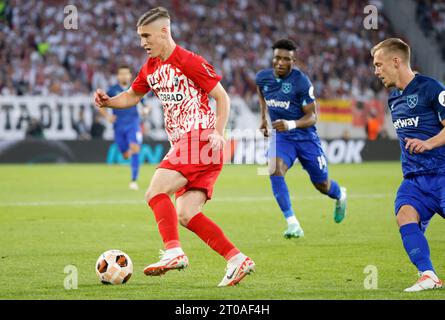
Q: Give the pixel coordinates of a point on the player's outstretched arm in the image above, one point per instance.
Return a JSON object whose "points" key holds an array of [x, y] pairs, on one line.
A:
{"points": [[420, 146], [222, 115], [104, 112], [123, 100], [308, 120], [263, 108]]}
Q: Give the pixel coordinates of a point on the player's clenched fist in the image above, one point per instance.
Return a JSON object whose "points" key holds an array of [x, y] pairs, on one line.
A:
{"points": [[217, 141], [100, 98], [284, 125]]}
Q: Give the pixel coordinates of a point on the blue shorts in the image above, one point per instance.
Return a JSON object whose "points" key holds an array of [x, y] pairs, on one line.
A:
{"points": [[425, 193], [126, 136], [308, 152]]}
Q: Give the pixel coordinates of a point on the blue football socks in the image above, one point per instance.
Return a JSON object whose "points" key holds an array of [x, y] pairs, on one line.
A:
{"points": [[334, 191], [416, 246], [134, 166], [281, 194]]}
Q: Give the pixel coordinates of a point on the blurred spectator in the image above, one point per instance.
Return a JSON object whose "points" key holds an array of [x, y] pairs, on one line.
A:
{"points": [[35, 129], [97, 128], [372, 126], [346, 135], [430, 16], [145, 119], [8, 89], [80, 126], [383, 135]]}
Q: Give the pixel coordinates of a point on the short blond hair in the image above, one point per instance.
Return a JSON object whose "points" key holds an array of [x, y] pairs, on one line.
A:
{"points": [[394, 45], [153, 15]]}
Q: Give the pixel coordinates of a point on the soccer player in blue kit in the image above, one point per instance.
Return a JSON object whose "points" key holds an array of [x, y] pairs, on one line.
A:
{"points": [[288, 95], [417, 106], [126, 125]]}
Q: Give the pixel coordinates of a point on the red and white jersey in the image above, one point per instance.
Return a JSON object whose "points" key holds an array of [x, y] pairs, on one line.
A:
{"points": [[182, 83]]}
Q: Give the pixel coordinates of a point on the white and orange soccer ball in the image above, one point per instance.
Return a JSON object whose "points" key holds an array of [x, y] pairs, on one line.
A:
{"points": [[114, 267]]}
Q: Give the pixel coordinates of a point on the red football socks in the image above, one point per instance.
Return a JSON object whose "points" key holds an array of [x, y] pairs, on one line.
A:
{"points": [[206, 229], [167, 220], [210, 233]]}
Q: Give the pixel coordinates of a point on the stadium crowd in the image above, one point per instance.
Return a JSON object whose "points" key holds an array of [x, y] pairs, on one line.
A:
{"points": [[431, 17], [38, 56]]}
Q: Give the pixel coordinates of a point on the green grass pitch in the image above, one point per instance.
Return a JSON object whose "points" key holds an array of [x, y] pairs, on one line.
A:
{"points": [[57, 215]]}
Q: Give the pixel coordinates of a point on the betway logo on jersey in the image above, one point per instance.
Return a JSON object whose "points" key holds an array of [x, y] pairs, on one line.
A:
{"points": [[171, 97], [278, 104], [403, 123]]}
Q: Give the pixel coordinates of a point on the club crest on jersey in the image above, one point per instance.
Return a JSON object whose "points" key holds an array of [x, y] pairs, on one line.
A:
{"points": [[176, 81], [266, 88], [412, 100], [286, 87]]}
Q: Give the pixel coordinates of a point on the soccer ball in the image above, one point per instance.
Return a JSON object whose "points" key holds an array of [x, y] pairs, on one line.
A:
{"points": [[114, 267]]}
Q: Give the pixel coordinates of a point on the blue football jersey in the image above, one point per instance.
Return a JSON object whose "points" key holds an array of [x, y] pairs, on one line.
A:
{"points": [[417, 112], [285, 98], [125, 118]]}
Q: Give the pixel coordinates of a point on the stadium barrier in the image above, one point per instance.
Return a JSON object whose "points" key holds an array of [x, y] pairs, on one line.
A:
{"points": [[60, 120], [238, 151], [61, 117]]}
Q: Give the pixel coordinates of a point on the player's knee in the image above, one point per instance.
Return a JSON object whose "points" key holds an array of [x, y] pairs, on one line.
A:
{"points": [[277, 168], [402, 219], [322, 187], [183, 220], [184, 217], [406, 215], [126, 155], [277, 171], [135, 148], [150, 194]]}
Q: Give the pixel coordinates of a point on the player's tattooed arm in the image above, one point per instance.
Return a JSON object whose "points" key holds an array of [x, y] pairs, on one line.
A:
{"points": [[123, 100], [222, 116], [308, 120], [263, 108], [420, 146]]}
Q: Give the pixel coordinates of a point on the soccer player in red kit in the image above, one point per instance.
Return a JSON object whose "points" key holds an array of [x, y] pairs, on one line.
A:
{"points": [[182, 80]]}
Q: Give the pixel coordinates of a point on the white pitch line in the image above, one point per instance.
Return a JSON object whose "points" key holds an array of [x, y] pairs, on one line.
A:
{"points": [[142, 202]]}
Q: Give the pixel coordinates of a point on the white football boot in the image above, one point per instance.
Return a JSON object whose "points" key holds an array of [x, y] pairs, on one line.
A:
{"points": [[428, 280], [294, 230], [170, 260], [237, 268], [133, 186]]}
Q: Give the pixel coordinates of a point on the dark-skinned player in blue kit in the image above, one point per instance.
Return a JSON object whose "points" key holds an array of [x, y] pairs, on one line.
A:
{"points": [[288, 96]]}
